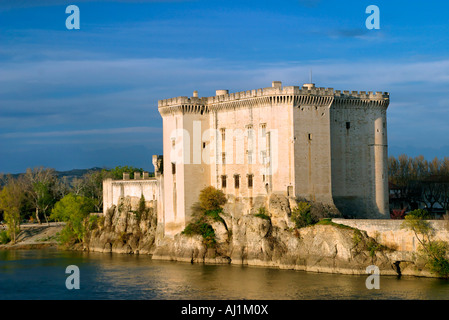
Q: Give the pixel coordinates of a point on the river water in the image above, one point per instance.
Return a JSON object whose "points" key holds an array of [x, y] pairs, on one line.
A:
{"points": [[41, 274]]}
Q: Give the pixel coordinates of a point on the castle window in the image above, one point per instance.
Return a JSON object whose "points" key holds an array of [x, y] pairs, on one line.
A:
{"points": [[204, 145], [250, 180], [173, 168], [236, 181], [348, 125], [263, 129], [310, 136], [223, 182], [223, 134]]}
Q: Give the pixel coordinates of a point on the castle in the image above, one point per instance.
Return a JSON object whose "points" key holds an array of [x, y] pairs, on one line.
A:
{"points": [[317, 144]]}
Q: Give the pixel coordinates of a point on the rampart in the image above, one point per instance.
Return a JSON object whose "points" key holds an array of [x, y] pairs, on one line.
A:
{"points": [[391, 234], [144, 185]]}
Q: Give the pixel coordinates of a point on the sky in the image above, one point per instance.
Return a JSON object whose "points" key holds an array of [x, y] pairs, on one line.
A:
{"points": [[87, 97]]}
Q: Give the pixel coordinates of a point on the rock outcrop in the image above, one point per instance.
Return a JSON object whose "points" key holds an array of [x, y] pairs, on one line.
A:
{"points": [[269, 240], [124, 230]]}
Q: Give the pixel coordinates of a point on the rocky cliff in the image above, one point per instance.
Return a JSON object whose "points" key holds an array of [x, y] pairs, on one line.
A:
{"points": [[270, 240], [124, 230]]}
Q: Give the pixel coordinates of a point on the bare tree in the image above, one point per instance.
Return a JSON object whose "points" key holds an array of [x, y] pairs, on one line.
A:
{"points": [[62, 187], [77, 186], [40, 186], [93, 187]]}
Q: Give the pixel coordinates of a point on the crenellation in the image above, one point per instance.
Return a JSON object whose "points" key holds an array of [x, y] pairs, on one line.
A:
{"points": [[327, 146], [224, 97]]}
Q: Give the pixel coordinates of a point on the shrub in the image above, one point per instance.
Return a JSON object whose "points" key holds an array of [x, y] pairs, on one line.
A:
{"points": [[397, 214], [142, 211], [202, 228], [74, 210], [262, 214], [302, 216], [4, 237], [211, 199], [437, 258], [419, 214], [93, 222], [434, 252], [209, 206]]}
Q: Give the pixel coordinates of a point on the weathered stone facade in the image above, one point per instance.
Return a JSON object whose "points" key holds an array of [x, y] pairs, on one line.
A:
{"points": [[317, 144]]}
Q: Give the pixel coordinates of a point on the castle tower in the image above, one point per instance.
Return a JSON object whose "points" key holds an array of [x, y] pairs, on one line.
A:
{"points": [[359, 154], [184, 122], [307, 142]]}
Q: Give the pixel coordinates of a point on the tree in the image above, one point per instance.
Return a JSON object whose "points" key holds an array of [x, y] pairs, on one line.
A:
{"points": [[117, 172], [92, 187], [40, 186], [11, 200], [435, 252], [73, 210], [302, 215], [208, 208], [211, 199], [62, 187]]}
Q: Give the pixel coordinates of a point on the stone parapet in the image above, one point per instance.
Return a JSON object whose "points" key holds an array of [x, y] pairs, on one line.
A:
{"points": [[276, 94]]}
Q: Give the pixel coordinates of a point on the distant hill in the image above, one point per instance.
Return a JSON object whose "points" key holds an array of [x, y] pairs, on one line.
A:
{"points": [[70, 174], [76, 173]]}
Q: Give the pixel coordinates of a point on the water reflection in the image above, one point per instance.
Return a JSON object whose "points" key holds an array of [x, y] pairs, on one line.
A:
{"points": [[40, 274]]}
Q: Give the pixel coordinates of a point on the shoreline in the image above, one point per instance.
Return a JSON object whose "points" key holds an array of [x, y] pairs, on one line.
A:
{"points": [[37, 237], [33, 236]]}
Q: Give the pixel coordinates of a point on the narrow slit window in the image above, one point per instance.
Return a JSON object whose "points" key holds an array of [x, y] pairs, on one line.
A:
{"points": [[348, 125], [223, 134], [173, 168], [310, 136], [250, 180], [223, 182], [236, 181]]}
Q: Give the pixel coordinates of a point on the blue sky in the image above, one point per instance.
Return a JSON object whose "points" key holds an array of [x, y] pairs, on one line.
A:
{"points": [[88, 97]]}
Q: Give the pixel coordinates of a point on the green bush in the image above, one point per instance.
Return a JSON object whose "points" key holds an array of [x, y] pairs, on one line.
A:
{"points": [[211, 201], [74, 210], [93, 222], [4, 237], [262, 213], [437, 252], [202, 228], [302, 216], [419, 214]]}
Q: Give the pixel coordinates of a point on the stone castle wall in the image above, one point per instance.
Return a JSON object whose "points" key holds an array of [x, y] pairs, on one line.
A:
{"points": [[318, 144]]}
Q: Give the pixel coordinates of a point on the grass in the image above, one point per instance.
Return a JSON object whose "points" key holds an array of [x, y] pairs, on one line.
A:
{"points": [[329, 222], [262, 216]]}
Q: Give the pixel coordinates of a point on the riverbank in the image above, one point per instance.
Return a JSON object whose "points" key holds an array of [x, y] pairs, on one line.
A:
{"points": [[36, 236]]}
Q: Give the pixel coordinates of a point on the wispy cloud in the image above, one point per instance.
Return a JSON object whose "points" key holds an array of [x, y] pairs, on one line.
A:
{"points": [[114, 102], [73, 133]]}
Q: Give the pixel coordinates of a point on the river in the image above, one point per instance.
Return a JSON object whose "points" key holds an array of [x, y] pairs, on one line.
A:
{"points": [[41, 274]]}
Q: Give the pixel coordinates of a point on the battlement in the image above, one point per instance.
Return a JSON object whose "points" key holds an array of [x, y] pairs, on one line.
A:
{"points": [[137, 176], [276, 90]]}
